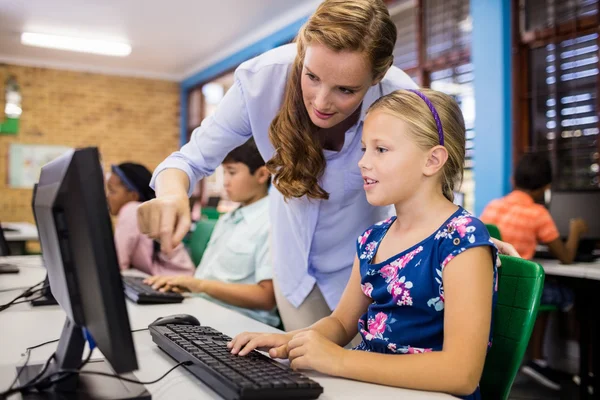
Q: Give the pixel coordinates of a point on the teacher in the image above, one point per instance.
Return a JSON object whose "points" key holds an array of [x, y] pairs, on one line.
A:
{"points": [[305, 104]]}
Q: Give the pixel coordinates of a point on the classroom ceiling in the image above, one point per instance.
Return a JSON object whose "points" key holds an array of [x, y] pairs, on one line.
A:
{"points": [[170, 39]]}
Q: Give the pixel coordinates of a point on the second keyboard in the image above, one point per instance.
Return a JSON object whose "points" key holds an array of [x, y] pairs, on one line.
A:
{"points": [[137, 291]]}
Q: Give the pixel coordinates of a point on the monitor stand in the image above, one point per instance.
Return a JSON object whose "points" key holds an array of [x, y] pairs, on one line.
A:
{"points": [[46, 299], [82, 386]]}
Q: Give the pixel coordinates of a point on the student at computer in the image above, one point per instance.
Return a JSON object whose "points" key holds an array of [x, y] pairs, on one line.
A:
{"points": [[524, 223], [128, 187], [424, 282], [236, 268]]}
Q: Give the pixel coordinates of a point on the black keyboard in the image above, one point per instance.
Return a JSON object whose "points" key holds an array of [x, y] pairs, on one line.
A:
{"points": [[137, 291], [254, 376]]}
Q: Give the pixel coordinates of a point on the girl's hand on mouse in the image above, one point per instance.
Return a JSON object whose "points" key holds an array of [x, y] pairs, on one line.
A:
{"points": [[274, 343]]}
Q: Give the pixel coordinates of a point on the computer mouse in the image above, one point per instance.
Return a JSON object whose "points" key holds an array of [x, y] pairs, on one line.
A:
{"points": [[179, 319]]}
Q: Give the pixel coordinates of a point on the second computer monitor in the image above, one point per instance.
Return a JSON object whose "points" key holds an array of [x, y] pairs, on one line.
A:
{"points": [[585, 204]]}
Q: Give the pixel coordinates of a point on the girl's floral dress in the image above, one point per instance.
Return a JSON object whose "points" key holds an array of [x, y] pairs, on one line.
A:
{"points": [[407, 313]]}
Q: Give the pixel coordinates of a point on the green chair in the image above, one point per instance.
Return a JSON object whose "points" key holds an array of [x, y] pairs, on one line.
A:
{"points": [[494, 231], [210, 213], [519, 291], [199, 238]]}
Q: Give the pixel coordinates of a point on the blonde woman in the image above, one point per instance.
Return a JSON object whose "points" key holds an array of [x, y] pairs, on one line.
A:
{"points": [[305, 104]]}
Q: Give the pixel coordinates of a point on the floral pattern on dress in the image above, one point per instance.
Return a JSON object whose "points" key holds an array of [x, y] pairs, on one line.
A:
{"points": [[369, 251], [363, 238], [407, 290]]}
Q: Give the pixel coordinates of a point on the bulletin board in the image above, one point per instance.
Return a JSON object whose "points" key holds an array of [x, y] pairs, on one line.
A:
{"points": [[25, 162]]}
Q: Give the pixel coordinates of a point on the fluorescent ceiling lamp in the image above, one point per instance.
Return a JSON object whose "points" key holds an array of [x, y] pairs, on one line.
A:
{"points": [[76, 44]]}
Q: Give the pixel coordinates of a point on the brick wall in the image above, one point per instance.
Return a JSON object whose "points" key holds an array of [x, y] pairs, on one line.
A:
{"points": [[128, 119]]}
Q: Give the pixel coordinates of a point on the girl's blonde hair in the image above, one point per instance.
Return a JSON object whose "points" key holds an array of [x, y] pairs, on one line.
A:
{"points": [[413, 110], [340, 25]]}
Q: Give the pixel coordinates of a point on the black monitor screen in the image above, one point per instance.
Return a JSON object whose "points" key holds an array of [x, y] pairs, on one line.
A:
{"points": [[576, 204], [79, 253]]}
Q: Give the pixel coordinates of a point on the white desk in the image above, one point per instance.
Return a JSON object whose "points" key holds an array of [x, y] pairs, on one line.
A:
{"points": [[578, 270], [585, 281], [18, 235], [24, 326], [23, 231]]}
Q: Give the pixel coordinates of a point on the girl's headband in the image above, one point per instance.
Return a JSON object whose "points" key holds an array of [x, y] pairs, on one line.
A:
{"points": [[436, 117]]}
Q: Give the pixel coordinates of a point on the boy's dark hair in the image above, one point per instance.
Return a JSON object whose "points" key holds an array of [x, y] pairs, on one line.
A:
{"points": [[533, 172], [246, 154]]}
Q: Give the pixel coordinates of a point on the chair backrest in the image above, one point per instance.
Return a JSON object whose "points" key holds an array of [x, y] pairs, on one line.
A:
{"points": [[494, 231], [519, 290], [4, 247], [210, 212], [200, 237]]}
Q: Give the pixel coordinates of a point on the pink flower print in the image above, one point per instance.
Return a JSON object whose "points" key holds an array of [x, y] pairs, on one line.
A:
{"points": [[447, 260], [461, 224], [400, 290], [368, 251], [402, 261], [387, 221], [362, 239], [392, 347], [377, 325], [418, 350], [367, 288], [389, 272], [363, 332]]}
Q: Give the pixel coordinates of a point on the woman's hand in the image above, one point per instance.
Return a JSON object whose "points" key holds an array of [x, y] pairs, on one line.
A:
{"points": [[275, 343], [178, 284], [311, 350], [166, 218], [506, 248]]}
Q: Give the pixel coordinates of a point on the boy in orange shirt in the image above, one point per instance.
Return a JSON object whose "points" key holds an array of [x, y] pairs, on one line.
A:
{"points": [[524, 223]]}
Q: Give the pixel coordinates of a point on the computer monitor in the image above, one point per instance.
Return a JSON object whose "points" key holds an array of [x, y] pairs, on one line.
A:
{"points": [[45, 297], [79, 253], [565, 205]]}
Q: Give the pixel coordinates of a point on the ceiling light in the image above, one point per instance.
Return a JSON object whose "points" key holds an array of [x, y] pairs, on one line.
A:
{"points": [[76, 44]]}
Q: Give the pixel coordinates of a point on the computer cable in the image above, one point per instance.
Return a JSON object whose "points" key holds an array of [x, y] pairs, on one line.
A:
{"points": [[28, 355], [11, 289], [41, 383], [27, 300], [29, 384], [28, 292], [65, 374]]}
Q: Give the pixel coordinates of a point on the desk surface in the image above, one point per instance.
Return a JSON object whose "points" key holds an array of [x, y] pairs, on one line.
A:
{"points": [[23, 231], [578, 270], [24, 326]]}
